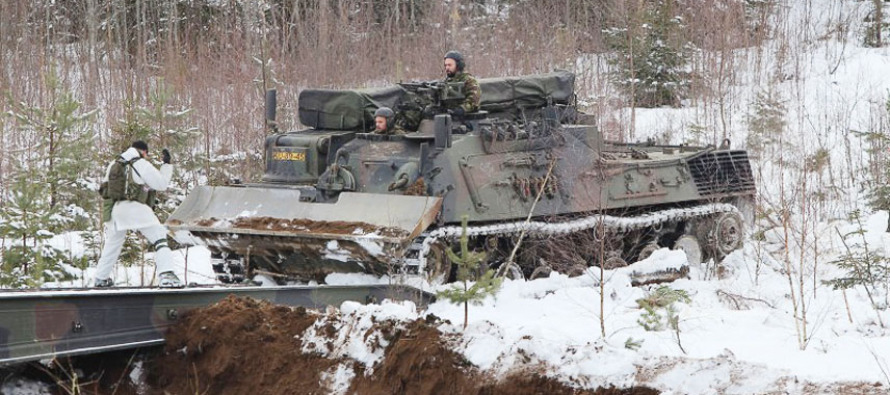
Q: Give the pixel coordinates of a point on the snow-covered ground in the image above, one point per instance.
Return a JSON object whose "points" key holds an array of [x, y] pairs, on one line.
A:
{"points": [[735, 335], [752, 330]]}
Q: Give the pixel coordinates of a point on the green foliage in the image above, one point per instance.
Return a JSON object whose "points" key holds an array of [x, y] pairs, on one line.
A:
{"points": [[62, 155], [658, 308], [484, 286], [651, 52], [875, 27], [818, 161], [50, 191], [27, 260], [467, 264], [878, 144], [863, 266], [766, 122], [633, 344]]}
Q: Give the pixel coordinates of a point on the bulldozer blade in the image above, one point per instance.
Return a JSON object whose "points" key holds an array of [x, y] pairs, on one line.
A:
{"points": [[273, 222], [279, 211]]}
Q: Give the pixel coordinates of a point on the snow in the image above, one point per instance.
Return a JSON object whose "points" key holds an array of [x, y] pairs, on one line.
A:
{"points": [[334, 252], [25, 387], [738, 334], [338, 378], [355, 338]]}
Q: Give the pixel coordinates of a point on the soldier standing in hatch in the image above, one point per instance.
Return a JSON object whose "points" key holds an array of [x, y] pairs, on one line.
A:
{"points": [[123, 215], [384, 123], [455, 71]]}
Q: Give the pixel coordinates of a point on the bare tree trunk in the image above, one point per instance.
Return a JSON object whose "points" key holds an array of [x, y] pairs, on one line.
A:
{"points": [[879, 22]]}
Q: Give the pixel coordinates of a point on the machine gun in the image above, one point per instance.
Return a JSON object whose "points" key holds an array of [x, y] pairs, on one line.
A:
{"points": [[425, 99]]}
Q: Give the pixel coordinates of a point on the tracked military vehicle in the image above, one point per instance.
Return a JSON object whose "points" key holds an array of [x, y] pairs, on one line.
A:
{"points": [[336, 198]]}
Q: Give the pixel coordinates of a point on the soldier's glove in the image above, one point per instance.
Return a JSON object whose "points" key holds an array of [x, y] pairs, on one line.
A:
{"points": [[165, 156], [457, 112]]}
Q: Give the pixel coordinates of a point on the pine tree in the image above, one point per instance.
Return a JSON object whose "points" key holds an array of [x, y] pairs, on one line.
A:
{"points": [[874, 30], [467, 264], [24, 222], [62, 156], [766, 122], [51, 185], [863, 267], [651, 54], [878, 144]]}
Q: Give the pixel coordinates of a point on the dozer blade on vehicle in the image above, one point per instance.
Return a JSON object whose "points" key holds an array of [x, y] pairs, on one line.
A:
{"points": [[270, 230]]}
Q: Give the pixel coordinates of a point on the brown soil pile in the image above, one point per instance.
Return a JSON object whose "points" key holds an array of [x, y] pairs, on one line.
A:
{"points": [[418, 362], [305, 225], [241, 346], [418, 188]]}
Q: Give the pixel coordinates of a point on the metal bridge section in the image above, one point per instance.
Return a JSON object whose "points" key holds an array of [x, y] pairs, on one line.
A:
{"points": [[37, 325]]}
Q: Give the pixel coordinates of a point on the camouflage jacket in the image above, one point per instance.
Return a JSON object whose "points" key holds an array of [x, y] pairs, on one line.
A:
{"points": [[471, 89]]}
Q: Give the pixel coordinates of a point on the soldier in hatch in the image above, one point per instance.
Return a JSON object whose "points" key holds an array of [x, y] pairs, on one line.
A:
{"points": [[384, 122], [455, 72]]}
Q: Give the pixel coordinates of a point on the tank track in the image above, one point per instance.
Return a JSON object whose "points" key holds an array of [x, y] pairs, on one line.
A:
{"points": [[233, 271], [613, 224]]}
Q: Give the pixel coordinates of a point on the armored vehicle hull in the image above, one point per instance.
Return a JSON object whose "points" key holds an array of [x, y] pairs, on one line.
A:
{"points": [[337, 199]]}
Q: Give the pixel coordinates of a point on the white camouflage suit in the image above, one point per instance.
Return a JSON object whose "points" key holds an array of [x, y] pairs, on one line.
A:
{"points": [[127, 215]]}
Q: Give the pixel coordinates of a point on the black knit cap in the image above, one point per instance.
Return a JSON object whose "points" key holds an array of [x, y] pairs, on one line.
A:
{"points": [[140, 145], [458, 59]]}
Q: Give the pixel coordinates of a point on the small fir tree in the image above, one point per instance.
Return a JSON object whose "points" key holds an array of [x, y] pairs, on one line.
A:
{"points": [[766, 122], [28, 260], [864, 267], [62, 156], [467, 264], [659, 311], [878, 145], [52, 179], [875, 26]]}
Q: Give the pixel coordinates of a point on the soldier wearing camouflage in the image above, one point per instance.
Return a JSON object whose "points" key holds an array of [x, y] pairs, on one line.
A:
{"points": [[124, 215], [384, 123], [455, 72]]}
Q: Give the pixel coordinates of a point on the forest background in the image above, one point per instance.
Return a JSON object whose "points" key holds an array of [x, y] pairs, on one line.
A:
{"points": [[81, 79]]}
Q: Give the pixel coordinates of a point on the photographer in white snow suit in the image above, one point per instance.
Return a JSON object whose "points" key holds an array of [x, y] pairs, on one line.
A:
{"points": [[129, 189]]}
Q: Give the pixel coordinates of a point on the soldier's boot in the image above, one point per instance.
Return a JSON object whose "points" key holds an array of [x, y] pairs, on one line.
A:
{"points": [[103, 283], [169, 280]]}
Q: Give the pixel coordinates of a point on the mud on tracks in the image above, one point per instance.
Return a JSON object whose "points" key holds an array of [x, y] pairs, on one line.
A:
{"points": [[243, 346]]}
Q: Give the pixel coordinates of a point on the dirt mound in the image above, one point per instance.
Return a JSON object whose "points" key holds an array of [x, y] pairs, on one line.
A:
{"points": [[418, 362], [241, 346]]}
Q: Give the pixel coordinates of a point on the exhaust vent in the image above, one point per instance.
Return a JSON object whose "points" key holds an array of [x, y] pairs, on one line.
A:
{"points": [[722, 172]]}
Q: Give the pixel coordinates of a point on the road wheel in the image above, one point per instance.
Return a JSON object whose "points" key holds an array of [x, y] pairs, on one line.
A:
{"points": [[727, 234], [647, 251]]}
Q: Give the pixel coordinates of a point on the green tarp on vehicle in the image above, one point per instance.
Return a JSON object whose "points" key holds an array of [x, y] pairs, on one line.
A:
{"points": [[354, 109], [345, 109]]}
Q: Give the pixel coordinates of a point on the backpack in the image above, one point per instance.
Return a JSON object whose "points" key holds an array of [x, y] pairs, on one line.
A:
{"points": [[120, 184]]}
